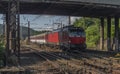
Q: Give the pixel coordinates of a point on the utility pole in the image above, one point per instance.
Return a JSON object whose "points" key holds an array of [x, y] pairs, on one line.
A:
{"points": [[53, 26], [21, 37], [69, 20], [61, 25], [28, 32]]}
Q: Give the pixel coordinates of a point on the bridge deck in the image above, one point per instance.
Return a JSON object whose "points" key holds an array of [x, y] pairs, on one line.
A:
{"points": [[92, 8], [110, 2]]}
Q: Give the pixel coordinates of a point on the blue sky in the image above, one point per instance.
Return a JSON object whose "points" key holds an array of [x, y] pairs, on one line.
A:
{"points": [[39, 21]]}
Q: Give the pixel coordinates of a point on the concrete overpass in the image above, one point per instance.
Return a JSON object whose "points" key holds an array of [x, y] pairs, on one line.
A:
{"points": [[91, 8]]}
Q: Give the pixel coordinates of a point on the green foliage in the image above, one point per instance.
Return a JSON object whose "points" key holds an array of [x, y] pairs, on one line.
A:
{"points": [[86, 22], [113, 31], [92, 36], [91, 26], [1, 49]]}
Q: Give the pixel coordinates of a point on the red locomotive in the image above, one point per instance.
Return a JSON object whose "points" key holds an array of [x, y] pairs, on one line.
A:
{"points": [[66, 37]]}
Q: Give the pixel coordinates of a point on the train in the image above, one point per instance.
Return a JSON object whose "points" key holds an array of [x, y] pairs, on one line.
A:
{"points": [[65, 37]]}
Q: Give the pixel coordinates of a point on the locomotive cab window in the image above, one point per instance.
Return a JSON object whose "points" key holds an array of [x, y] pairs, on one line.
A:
{"points": [[76, 33]]}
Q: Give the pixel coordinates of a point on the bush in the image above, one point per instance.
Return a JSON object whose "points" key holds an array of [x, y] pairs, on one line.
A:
{"points": [[1, 51]]}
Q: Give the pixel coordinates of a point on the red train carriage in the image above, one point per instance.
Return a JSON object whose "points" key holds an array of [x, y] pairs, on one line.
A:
{"points": [[52, 38], [67, 37]]}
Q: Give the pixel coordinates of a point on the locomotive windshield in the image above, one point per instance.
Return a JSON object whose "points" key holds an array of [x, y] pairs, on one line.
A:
{"points": [[76, 33]]}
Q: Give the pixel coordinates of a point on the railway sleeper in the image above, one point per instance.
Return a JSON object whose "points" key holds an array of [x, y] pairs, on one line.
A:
{"points": [[102, 68]]}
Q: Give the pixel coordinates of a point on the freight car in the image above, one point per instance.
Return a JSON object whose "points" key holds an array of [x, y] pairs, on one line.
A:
{"points": [[66, 37]]}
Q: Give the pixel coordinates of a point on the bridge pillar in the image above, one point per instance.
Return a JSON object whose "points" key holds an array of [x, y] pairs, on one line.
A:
{"points": [[13, 30], [116, 33], [109, 34], [102, 33]]}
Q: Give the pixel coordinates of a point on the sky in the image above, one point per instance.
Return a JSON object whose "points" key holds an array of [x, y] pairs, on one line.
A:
{"points": [[38, 21]]}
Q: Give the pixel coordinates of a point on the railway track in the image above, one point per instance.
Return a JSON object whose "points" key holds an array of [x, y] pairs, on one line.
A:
{"points": [[83, 61], [64, 62], [85, 57], [55, 67], [94, 60]]}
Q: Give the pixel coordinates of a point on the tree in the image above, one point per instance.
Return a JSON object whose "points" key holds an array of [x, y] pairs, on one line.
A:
{"points": [[92, 36], [91, 26]]}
